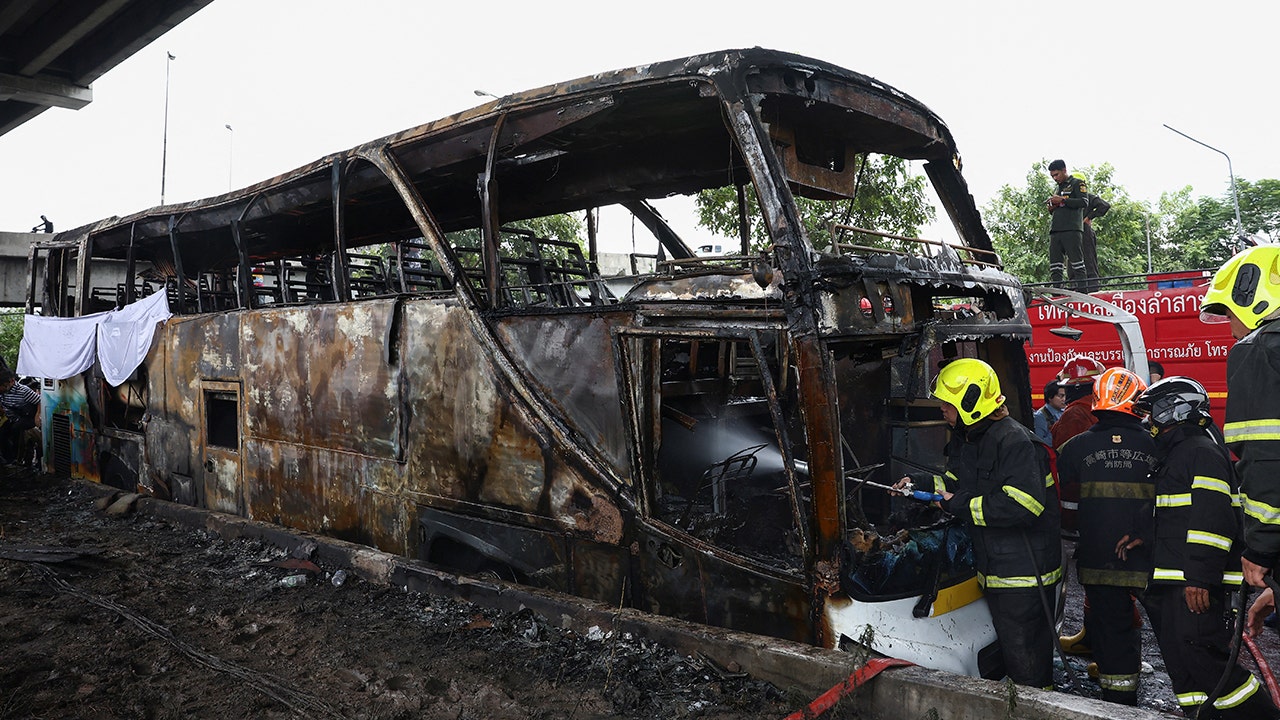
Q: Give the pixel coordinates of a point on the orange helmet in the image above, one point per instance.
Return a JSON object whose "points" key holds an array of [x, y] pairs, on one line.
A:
{"points": [[1116, 389], [1080, 369]]}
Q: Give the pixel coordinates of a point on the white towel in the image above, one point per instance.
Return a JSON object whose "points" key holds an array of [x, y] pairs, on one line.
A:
{"points": [[125, 335], [57, 347]]}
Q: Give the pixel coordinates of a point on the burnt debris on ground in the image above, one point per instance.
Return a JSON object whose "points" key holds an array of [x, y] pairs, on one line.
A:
{"points": [[131, 616], [104, 613]]}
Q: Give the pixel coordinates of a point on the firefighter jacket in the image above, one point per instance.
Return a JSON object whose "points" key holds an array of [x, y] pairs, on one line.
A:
{"points": [[1252, 431], [1197, 524], [1005, 493], [1108, 467], [1076, 417], [1071, 215]]}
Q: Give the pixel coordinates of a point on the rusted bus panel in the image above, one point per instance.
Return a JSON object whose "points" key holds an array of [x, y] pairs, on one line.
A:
{"points": [[579, 503], [168, 454], [386, 518], [322, 375], [559, 561], [324, 491], [570, 359], [472, 442], [208, 348], [173, 430], [455, 408]]}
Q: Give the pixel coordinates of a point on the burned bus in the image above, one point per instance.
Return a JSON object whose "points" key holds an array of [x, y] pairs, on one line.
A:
{"points": [[377, 347]]}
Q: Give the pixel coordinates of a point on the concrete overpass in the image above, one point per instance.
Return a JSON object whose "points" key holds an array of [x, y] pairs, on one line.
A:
{"points": [[14, 247], [52, 50], [13, 267]]}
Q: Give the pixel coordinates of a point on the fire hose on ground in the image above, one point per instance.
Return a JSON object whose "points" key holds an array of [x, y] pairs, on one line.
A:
{"points": [[857, 679]]}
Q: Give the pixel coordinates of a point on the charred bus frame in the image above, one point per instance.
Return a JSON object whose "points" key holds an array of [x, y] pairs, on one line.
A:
{"points": [[478, 396]]}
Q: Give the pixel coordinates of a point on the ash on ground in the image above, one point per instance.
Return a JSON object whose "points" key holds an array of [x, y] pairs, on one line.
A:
{"points": [[135, 617], [131, 616]]}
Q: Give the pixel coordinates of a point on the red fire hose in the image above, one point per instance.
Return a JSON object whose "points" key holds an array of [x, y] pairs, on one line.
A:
{"points": [[828, 699], [1264, 670]]}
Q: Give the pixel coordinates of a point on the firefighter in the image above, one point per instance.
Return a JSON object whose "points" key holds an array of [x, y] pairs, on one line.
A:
{"points": [[1076, 377], [1246, 292], [998, 483], [1108, 466], [1196, 555]]}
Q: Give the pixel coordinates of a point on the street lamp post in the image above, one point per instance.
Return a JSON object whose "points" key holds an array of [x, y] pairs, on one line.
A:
{"points": [[164, 149], [1146, 221], [1235, 196], [231, 153]]}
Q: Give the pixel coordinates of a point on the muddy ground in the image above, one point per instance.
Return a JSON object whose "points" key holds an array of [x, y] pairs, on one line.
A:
{"points": [[133, 617]]}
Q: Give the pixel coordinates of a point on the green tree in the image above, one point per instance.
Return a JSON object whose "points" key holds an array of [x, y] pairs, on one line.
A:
{"points": [[563, 227], [888, 198], [10, 336], [1202, 234], [1017, 219], [1189, 233], [1260, 209]]}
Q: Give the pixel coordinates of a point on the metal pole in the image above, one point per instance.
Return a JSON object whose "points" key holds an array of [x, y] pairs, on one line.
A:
{"points": [[231, 154], [164, 151], [1235, 197], [1146, 221]]}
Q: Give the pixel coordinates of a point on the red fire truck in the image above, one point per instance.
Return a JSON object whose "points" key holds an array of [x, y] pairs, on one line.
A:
{"points": [[1167, 307]]}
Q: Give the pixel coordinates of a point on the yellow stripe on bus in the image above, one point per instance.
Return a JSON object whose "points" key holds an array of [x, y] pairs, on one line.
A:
{"points": [[956, 596]]}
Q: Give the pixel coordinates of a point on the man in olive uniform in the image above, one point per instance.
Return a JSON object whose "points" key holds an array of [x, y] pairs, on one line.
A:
{"points": [[1066, 226], [1096, 208]]}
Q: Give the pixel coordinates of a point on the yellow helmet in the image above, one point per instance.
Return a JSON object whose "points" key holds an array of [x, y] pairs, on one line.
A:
{"points": [[971, 386], [1247, 285]]}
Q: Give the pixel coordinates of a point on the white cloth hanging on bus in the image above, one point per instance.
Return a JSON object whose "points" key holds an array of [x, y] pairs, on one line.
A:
{"points": [[57, 347], [125, 335]]}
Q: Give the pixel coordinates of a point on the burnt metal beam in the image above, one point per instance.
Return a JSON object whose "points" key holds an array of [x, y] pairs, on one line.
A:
{"points": [[177, 264], [339, 269], [784, 440], [653, 220], [489, 232], [131, 266]]}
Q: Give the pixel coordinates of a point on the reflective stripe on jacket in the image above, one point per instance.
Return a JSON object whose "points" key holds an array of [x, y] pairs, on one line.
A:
{"points": [[1252, 431], [1197, 521], [1004, 491], [1109, 467]]}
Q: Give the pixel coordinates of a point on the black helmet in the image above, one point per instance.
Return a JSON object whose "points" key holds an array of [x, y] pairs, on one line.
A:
{"points": [[1175, 401]]}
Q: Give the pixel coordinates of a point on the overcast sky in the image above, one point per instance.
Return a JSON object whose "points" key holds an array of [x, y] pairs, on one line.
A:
{"points": [[297, 79]]}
